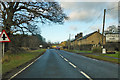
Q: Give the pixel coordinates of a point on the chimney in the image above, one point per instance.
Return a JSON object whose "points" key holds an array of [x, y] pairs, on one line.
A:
{"points": [[81, 34], [75, 36], [98, 30]]}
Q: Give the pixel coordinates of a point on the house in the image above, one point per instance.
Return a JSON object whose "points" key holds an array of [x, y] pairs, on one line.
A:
{"points": [[94, 38]]}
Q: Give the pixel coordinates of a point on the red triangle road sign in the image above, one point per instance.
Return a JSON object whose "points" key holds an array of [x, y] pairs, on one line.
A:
{"points": [[4, 37]]}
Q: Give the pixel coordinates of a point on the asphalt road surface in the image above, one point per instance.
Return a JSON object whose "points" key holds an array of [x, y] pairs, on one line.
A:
{"points": [[61, 64]]}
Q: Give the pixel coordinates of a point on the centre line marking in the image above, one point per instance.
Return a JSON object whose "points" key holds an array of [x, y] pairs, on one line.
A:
{"points": [[65, 59], [72, 64], [76, 68], [62, 56], [86, 75]]}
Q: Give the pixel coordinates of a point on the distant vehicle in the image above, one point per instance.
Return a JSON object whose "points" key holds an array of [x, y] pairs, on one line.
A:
{"points": [[57, 48]]}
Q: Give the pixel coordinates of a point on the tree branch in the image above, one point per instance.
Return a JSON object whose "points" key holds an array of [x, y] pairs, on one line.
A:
{"points": [[3, 5]]}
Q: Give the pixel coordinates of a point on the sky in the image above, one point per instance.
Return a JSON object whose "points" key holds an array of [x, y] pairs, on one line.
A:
{"points": [[85, 17]]}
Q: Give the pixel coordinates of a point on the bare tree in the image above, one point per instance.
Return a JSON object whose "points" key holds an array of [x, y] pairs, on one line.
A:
{"points": [[111, 29], [23, 16]]}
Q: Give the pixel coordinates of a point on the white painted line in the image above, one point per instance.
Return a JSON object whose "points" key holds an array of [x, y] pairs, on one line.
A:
{"points": [[23, 69], [76, 67], [95, 59], [62, 56], [72, 64], [20, 71], [85, 75], [65, 59]]}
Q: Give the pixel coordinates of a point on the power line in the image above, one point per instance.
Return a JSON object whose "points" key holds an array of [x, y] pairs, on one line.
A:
{"points": [[98, 18]]}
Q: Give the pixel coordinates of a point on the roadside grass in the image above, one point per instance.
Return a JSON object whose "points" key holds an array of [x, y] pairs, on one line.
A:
{"points": [[111, 55], [99, 56], [103, 58], [11, 61], [78, 51]]}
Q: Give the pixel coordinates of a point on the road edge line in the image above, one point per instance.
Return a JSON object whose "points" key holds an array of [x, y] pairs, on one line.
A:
{"points": [[23, 69]]}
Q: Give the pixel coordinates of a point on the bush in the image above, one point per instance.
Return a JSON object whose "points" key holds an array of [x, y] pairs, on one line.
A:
{"points": [[6, 59], [15, 50], [33, 48], [97, 50]]}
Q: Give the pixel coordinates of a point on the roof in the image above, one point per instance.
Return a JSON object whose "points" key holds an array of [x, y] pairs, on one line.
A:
{"points": [[86, 36]]}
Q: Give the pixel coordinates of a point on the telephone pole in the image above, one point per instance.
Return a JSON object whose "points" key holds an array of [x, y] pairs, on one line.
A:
{"points": [[103, 27], [103, 49]]}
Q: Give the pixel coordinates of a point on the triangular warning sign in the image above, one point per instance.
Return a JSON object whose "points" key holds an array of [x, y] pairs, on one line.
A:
{"points": [[4, 37]]}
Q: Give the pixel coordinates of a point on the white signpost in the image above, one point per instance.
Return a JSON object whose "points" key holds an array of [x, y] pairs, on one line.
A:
{"points": [[41, 46], [4, 38], [104, 51]]}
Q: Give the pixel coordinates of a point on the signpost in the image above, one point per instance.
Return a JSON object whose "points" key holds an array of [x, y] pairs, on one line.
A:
{"points": [[4, 38]]}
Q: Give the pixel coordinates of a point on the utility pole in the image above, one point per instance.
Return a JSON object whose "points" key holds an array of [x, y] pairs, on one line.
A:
{"points": [[103, 49], [103, 27]]}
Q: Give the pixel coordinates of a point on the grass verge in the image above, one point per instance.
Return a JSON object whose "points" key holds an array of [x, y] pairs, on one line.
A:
{"points": [[99, 56], [103, 58], [11, 61], [78, 51]]}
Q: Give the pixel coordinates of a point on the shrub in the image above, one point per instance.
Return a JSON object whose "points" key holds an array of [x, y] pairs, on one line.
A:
{"points": [[15, 50], [96, 50], [33, 48], [6, 59]]}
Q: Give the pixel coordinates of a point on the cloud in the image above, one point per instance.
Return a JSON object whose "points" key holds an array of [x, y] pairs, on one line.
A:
{"points": [[88, 0], [73, 28], [87, 11], [80, 16]]}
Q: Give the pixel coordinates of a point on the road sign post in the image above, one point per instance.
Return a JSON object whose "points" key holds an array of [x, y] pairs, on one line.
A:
{"points": [[3, 49], [4, 38]]}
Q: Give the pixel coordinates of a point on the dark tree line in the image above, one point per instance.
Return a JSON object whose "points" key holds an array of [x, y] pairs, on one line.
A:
{"points": [[25, 42]]}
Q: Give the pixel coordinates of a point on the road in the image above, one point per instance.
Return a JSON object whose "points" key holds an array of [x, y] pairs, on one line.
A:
{"points": [[61, 64]]}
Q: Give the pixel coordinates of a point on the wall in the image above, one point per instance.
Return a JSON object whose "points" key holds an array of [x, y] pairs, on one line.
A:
{"points": [[93, 39]]}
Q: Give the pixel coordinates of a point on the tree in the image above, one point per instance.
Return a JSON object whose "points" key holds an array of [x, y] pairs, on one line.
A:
{"points": [[111, 29], [23, 16]]}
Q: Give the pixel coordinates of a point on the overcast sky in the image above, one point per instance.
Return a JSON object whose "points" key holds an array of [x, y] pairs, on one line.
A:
{"points": [[84, 17]]}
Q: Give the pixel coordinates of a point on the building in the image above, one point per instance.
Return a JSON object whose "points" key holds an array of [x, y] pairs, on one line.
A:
{"points": [[94, 38]]}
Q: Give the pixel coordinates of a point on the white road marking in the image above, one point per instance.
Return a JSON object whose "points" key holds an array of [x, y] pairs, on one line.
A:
{"points": [[85, 75], [72, 64], [95, 59], [76, 67], [65, 59], [23, 69], [62, 56]]}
